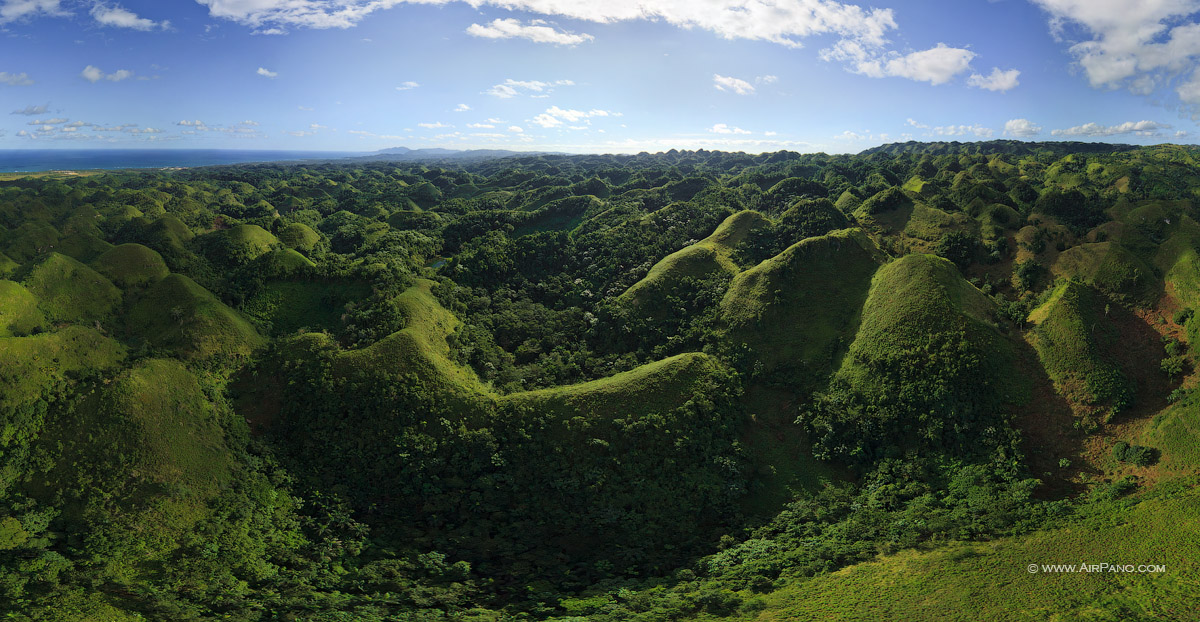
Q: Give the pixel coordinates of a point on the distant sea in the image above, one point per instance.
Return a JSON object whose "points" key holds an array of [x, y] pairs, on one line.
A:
{"points": [[35, 160]]}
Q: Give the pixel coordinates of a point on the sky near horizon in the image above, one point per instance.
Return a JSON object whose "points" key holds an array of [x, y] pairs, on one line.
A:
{"points": [[610, 76]]}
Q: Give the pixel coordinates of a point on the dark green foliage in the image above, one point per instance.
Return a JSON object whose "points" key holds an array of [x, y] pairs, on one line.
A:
{"points": [[268, 416], [1134, 454], [957, 246]]}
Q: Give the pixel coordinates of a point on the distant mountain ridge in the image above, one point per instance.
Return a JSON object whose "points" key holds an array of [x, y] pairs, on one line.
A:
{"points": [[438, 153], [1014, 147]]}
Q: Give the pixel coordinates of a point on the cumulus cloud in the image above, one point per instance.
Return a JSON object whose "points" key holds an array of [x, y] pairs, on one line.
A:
{"points": [[15, 79], [555, 116], [952, 130], [937, 65], [516, 129], [538, 31], [120, 17], [722, 128], [94, 74], [462, 108], [1022, 128], [481, 126], [735, 85], [786, 22], [1138, 128], [55, 121], [998, 80], [266, 73], [404, 86], [30, 111], [512, 88], [434, 125], [13, 10], [1140, 48]]}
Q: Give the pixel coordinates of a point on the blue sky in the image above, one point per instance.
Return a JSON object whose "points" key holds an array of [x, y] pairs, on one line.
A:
{"points": [[612, 76]]}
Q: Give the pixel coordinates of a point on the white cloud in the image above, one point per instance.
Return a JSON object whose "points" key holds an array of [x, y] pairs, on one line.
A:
{"points": [[30, 111], [405, 86], [1139, 46], [186, 123], [462, 108], [56, 121], [937, 65], [304, 108], [434, 125], [555, 116], [512, 88], [1139, 128], [15, 79], [729, 83], [785, 22], [538, 31], [1023, 128], [94, 74], [481, 126], [13, 10], [998, 80], [950, 130], [768, 79], [318, 126], [266, 73], [516, 129], [722, 128], [770, 133], [120, 17], [1181, 134]]}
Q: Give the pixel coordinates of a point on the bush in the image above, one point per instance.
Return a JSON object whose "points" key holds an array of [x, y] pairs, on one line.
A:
{"points": [[1137, 455]]}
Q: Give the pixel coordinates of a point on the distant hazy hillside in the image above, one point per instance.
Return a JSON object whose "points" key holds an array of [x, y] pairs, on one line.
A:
{"points": [[1007, 147]]}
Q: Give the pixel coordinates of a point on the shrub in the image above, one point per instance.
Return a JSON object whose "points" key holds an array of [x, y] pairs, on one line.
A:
{"points": [[1137, 455]]}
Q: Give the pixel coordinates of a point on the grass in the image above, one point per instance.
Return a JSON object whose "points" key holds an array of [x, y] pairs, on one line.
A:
{"points": [[419, 349], [1110, 268], [795, 312], [1176, 433], [706, 257], [991, 581], [29, 240], [178, 315], [82, 246], [299, 236], [131, 265], [656, 387], [152, 441], [290, 306], [1070, 334], [19, 313], [34, 363], [7, 265], [929, 223], [69, 291], [247, 241]]}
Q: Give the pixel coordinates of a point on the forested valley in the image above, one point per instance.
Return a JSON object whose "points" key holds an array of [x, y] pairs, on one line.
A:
{"points": [[687, 385]]}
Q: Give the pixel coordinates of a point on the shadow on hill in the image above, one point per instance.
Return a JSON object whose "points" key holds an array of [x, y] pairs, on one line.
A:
{"points": [[1048, 433]]}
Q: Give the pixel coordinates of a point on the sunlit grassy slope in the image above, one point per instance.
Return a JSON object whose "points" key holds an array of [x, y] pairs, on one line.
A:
{"points": [[68, 291], [1071, 331], [19, 314], [704, 258], [796, 311], [178, 315], [131, 265]]}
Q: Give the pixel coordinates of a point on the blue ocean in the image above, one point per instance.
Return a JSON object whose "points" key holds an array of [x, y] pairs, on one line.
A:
{"points": [[35, 160]]}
